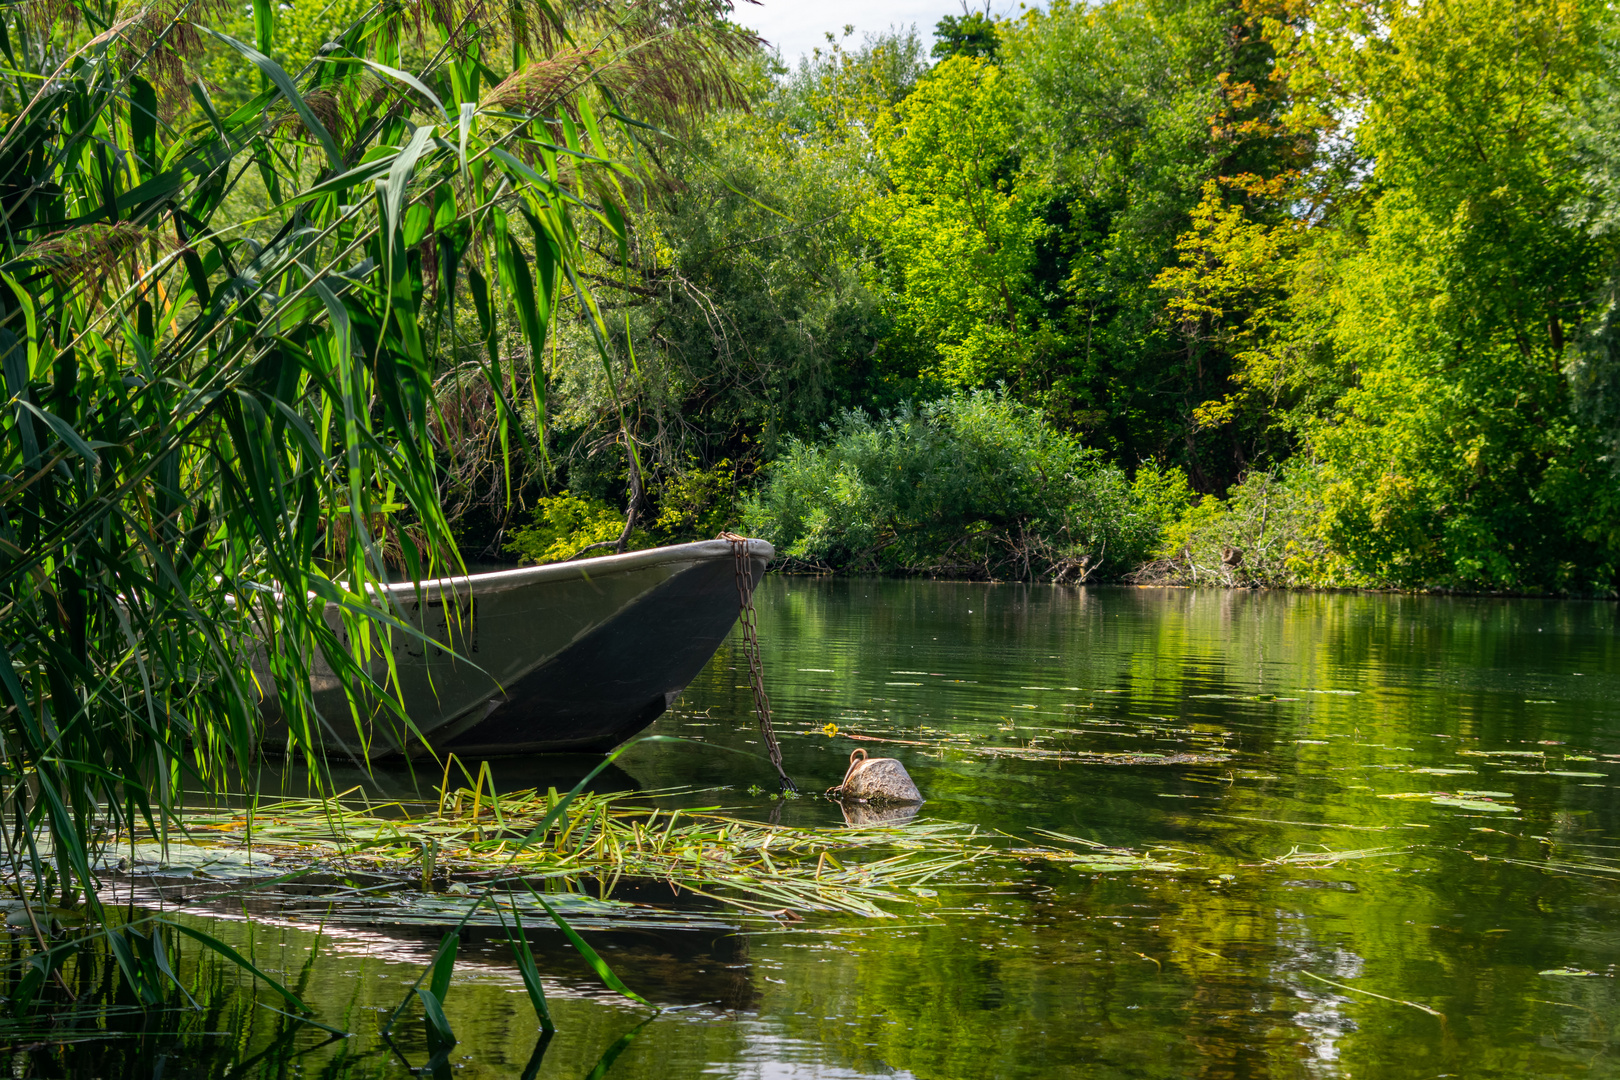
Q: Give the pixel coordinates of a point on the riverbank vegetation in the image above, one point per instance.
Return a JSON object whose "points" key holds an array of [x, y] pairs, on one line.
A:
{"points": [[1359, 259], [1323, 256], [249, 329]]}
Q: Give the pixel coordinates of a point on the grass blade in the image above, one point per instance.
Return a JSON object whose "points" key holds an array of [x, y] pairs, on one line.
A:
{"points": [[438, 1024], [283, 82], [598, 965], [519, 943], [443, 965], [240, 961]]}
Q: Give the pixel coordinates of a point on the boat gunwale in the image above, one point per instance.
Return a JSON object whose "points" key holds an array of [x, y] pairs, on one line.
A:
{"points": [[629, 562]]}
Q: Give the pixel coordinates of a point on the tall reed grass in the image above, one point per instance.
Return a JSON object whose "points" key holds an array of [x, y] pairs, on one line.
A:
{"points": [[219, 427]]}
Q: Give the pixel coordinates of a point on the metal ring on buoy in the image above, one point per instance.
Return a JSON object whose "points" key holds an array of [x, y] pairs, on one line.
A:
{"points": [[855, 755]]}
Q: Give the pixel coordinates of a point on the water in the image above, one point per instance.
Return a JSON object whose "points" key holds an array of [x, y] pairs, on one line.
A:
{"points": [[1470, 936]]}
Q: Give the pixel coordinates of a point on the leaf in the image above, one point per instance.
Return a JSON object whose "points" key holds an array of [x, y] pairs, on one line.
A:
{"points": [[519, 943], [264, 23], [143, 125], [364, 173], [240, 961], [598, 965], [399, 176], [616, 225], [410, 80], [124, 956], [38, 968], [1475, 804], [284, 83], [75, 441], [531, 320], [437, 1022], [464, 124], [443, 964]]}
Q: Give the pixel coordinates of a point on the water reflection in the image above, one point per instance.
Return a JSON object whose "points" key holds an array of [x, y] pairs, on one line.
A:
{"points": [[1394, 817], [858, 813]]}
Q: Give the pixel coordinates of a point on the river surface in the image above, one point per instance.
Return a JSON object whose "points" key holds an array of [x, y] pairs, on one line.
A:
{"points": [[1394, 821]]}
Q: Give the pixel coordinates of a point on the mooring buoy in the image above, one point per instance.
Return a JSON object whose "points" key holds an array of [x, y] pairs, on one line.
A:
{"points": [[876, 780]]}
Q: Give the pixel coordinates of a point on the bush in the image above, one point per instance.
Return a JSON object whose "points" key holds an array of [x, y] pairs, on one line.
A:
{"points": [[1269, 532], [972, 485], [698, 503], [563, 524]]}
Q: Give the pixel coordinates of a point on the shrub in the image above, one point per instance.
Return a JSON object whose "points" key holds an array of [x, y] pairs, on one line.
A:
{"points": [[1269, 532], [563, 524], [974, 484], [698, 503]]}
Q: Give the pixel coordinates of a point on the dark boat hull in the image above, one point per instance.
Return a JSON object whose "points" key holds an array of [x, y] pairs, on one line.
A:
{"points": [[569, 657]]}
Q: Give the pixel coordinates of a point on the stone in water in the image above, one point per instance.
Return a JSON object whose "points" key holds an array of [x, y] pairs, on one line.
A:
{"points": [[877, 780]]}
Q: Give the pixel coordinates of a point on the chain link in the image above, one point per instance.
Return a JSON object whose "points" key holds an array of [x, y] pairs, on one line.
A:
{"points": [[749, 618]]}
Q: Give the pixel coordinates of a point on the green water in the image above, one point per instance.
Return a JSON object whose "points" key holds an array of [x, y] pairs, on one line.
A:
{"points": [[1474, 937]]}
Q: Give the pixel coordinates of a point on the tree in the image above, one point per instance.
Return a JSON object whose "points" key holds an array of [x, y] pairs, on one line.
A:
{"points": [[1132, 108], [738, 305], [1456, 459], [957, 233], [971, 34]]}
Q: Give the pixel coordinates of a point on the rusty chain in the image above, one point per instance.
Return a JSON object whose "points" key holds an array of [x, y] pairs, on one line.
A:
{"points": [[756, 669]]}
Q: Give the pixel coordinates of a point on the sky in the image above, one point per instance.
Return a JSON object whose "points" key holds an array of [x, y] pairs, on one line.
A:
{"points": [[797, 26]]}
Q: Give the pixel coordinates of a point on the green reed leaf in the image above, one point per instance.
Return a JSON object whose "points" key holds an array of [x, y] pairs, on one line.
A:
{"points": [[283, 82], [239, 960], [594, 959], [443, 965], [519, 943], [438, 1024]]}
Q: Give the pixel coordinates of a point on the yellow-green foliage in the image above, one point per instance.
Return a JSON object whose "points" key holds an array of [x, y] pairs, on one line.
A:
{"points": [[1455, 460], [563, 524], [959, 235], [698, 503], [1270, 532]]}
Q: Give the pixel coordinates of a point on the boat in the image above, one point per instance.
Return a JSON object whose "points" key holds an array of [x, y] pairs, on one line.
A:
{"points": [[566, 657]]}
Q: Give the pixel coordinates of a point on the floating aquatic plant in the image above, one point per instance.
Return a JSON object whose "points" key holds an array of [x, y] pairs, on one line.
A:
{"points": [[472, 840]]}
